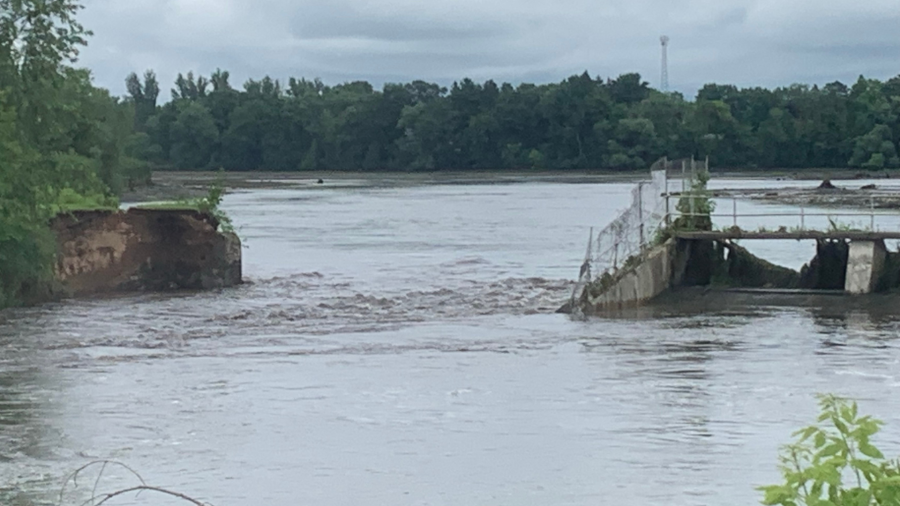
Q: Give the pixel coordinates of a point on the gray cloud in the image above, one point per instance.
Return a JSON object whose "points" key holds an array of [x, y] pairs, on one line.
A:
{"points": [[344, 19], [745, 42]]}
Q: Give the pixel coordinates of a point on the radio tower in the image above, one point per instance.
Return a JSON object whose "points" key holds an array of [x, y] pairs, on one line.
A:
{"points": [[664, 78]]}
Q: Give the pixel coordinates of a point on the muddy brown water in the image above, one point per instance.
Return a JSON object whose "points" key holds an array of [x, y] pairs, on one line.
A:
{"points": [[398, 346]]}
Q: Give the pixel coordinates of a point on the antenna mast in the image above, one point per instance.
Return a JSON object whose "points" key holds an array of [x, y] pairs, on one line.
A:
{"points": [[664, 77]]}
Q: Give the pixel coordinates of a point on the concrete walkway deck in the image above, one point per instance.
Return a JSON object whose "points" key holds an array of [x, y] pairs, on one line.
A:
{"points": [[852, 235]]}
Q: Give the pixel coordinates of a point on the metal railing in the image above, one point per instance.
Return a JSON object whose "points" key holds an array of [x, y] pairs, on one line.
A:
{"points": [[802, 213]]}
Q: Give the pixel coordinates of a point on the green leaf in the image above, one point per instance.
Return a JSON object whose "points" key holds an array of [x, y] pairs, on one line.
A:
{"points": [[806, 433], [841, 426], [865, 466], [816, 489], [778, 494], [861, 498], [870, 451], [847, 414], [820, 440], [869, 427], [830, 450]]}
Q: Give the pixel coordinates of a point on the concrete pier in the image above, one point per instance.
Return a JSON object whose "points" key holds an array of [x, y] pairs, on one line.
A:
{"points": [[865, 264]]}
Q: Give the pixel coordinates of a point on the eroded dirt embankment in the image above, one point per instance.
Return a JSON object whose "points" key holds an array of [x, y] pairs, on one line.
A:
{"points": [[144, 250]]}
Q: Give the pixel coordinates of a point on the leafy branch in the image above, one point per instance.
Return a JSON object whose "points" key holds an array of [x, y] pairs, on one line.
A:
{"points": [[817, 466], [210, 204]]}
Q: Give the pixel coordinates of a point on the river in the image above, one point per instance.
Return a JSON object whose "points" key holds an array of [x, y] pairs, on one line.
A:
{"points": [[396, 345]]}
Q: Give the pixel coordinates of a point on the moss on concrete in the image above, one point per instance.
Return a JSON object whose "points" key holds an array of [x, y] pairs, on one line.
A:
{"points": [[740, 268]]}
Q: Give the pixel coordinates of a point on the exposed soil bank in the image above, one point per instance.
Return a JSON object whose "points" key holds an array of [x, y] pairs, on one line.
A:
{"points": [[144, 250]]}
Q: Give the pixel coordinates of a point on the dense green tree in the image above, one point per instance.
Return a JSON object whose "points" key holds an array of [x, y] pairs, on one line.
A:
{"points": [[193, 136], [189, 88], [715, 132], [143, 95], [63, 142], [219, 80], [875, 150], [628, 88], [635, 144], [427, 142]]}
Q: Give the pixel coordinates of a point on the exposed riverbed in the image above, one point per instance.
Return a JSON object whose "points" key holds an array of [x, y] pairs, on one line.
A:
{"points": [[397, 345]]}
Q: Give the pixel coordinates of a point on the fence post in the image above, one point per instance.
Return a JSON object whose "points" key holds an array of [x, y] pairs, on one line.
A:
{"points": [[734, 210], [641, 211], [668, 219], [691, 197], [802, 219], [872, 205], [590, 247], [668, 212]]}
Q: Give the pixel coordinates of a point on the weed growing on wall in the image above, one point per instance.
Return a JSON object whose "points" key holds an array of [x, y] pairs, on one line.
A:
{"points": [[210, 204]]}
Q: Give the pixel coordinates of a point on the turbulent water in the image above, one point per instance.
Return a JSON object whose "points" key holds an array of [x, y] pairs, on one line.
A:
{"points": [[397, 346]]}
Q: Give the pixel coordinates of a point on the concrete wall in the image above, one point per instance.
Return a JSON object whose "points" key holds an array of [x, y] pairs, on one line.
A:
{"points": [[693, 262], [144, 250], [652, 276], [865, 263]]}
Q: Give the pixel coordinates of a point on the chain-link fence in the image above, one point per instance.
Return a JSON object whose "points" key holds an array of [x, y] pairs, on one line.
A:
{"points": [[636, 228]]}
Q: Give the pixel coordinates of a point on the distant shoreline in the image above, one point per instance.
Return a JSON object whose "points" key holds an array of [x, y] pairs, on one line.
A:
{"points": [[175, 185]]}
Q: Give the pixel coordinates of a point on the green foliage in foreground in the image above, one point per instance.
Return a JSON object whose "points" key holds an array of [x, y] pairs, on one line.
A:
{"points": [[65, 145], [834, 463]]}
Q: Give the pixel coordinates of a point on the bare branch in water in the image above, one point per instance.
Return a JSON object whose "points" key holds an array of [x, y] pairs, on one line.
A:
{"points": [[142, 488], [97, 500], [74, 476]]}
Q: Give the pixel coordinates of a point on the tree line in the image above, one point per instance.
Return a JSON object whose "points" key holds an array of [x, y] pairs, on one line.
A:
{"points": [[581, 123]]}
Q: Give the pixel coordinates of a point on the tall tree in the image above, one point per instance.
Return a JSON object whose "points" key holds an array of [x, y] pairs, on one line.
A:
{"points": [[143, 95], [38, 38]]}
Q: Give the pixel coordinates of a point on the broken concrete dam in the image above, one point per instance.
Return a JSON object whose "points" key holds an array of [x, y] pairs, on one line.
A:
{"points": [[844, 263], [144, 250], [668, 240]]}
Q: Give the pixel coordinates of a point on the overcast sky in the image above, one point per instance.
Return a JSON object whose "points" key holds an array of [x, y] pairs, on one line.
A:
{"points": [[743, 42]]}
